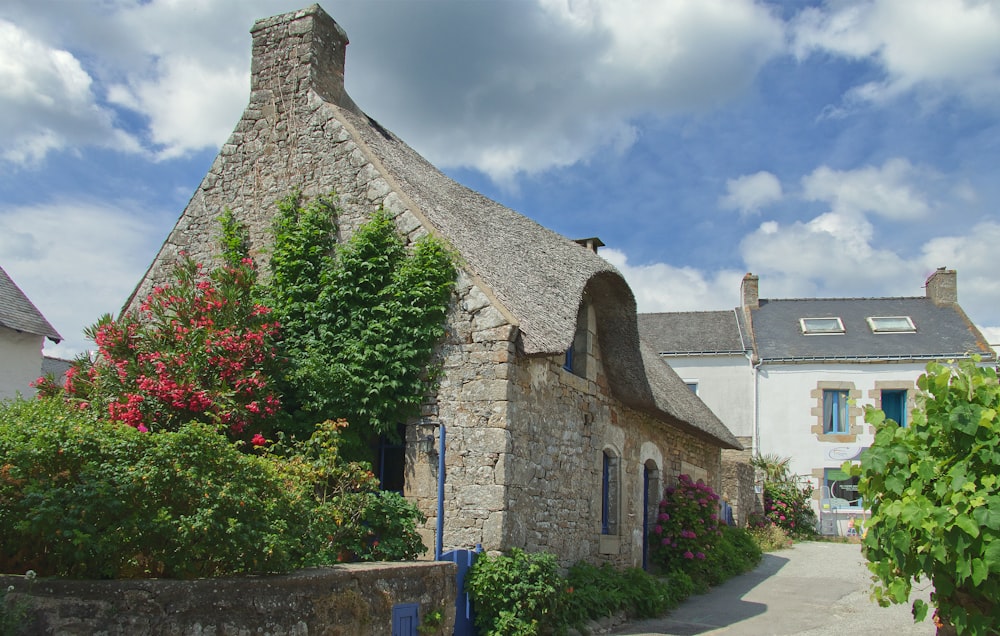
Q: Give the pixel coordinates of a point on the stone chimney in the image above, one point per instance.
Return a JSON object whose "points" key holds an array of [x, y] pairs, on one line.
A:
{"points": [[298, 51], [590, 243], [750, 291], [942, 286]]}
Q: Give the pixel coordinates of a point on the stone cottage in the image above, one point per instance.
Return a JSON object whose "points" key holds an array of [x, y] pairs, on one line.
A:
{"points": [[545, 450]]}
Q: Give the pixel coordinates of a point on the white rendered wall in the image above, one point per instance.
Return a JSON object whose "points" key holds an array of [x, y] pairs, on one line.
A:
{"points": [[20, 362], [725, 385], [789, 410]]}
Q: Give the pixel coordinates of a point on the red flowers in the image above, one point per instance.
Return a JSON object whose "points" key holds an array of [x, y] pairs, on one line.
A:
{"points": [[198, 348]]}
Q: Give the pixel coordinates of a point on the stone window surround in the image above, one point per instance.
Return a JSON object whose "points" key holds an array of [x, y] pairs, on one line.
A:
{"points": [[875, 395], [854, 412]]}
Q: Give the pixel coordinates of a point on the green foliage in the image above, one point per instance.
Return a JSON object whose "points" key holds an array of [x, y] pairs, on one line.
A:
{"points": [[773, 467], [787, 506], [517, 593], [359, 322], [522, 593], [81, 497], [934, 493], [86, 498], [598, 591], [735, 552]]}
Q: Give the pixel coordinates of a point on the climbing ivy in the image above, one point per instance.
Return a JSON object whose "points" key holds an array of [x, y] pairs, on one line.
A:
{"points": [[934, 493], [359, 320]]}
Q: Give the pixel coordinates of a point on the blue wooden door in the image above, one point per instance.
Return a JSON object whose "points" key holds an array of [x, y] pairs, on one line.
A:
{"points": [[464, 612]]}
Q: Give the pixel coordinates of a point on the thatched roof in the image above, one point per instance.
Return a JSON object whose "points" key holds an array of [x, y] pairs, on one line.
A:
{"points": [[299, 110]]}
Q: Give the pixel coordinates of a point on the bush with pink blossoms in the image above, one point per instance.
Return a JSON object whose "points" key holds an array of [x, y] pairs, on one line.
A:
{"points": [[787, 506], [687, 527]]}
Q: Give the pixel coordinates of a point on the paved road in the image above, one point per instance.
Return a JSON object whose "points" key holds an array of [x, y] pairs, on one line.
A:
{"points": [[811, 589]]}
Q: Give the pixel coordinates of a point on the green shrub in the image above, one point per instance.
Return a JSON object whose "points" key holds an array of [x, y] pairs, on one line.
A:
{"points": [[599, 591], [85, 498], [517, 593], [81, 497]]}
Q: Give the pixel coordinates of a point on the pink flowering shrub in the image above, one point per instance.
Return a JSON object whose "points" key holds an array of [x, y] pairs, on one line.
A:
{"points": [[787, 507], [687, 527], [197, 349]]}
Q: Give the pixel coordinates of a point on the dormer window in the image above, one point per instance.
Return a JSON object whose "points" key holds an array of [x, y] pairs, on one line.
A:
{"points": [[821, 326], [891, 324]]}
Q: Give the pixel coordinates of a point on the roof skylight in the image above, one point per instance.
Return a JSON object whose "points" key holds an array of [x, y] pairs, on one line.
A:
{"points": [[821, 326], [891, 324]]}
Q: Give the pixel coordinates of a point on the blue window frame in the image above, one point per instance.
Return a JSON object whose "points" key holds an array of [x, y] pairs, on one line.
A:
{"points": [[835, 411], [894, 405]]}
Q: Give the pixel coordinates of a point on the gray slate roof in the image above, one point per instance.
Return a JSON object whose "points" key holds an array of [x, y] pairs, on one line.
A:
{"points": [[693, 332], [942, 331], [19, 313]]}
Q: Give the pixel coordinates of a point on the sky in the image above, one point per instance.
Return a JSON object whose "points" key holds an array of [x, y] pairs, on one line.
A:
{"points": [[845, 148]]}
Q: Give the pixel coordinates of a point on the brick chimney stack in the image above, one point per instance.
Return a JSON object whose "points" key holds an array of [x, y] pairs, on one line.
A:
{"points": [[298, 51], [750, 291], [942, 286]]}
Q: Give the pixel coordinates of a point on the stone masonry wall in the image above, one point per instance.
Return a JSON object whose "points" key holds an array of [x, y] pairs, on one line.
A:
{"points": [[561, 424], [347, 600]]}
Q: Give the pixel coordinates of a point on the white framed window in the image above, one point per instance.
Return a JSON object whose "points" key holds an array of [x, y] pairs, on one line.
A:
{"points": [[891, 324], [692, 385], [822, 326], [835, 415]]}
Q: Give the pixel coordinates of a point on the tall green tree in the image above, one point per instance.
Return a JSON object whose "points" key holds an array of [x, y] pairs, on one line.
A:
{"points": [[934, 492]]}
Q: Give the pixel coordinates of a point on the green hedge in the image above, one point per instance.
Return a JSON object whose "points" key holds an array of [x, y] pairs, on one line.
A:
{"points": [[82, 497]]}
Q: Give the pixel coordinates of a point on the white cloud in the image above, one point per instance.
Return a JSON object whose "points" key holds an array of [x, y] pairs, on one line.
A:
{"points": [[663, 287], [750, 193], [47, 101], [566, 80], [973, 255], [190, 105], [892, 190], [77, 261], [933, 46]]}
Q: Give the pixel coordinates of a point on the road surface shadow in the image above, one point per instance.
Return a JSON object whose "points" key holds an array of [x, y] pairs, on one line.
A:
{"points": [[719, 607]]}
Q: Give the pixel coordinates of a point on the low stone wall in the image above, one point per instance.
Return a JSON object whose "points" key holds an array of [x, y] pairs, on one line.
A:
{"points": [[345, 600]]}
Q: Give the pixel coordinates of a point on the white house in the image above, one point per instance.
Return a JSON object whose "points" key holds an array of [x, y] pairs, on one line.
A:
{"points": [[791, 377], [23, 330]]}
